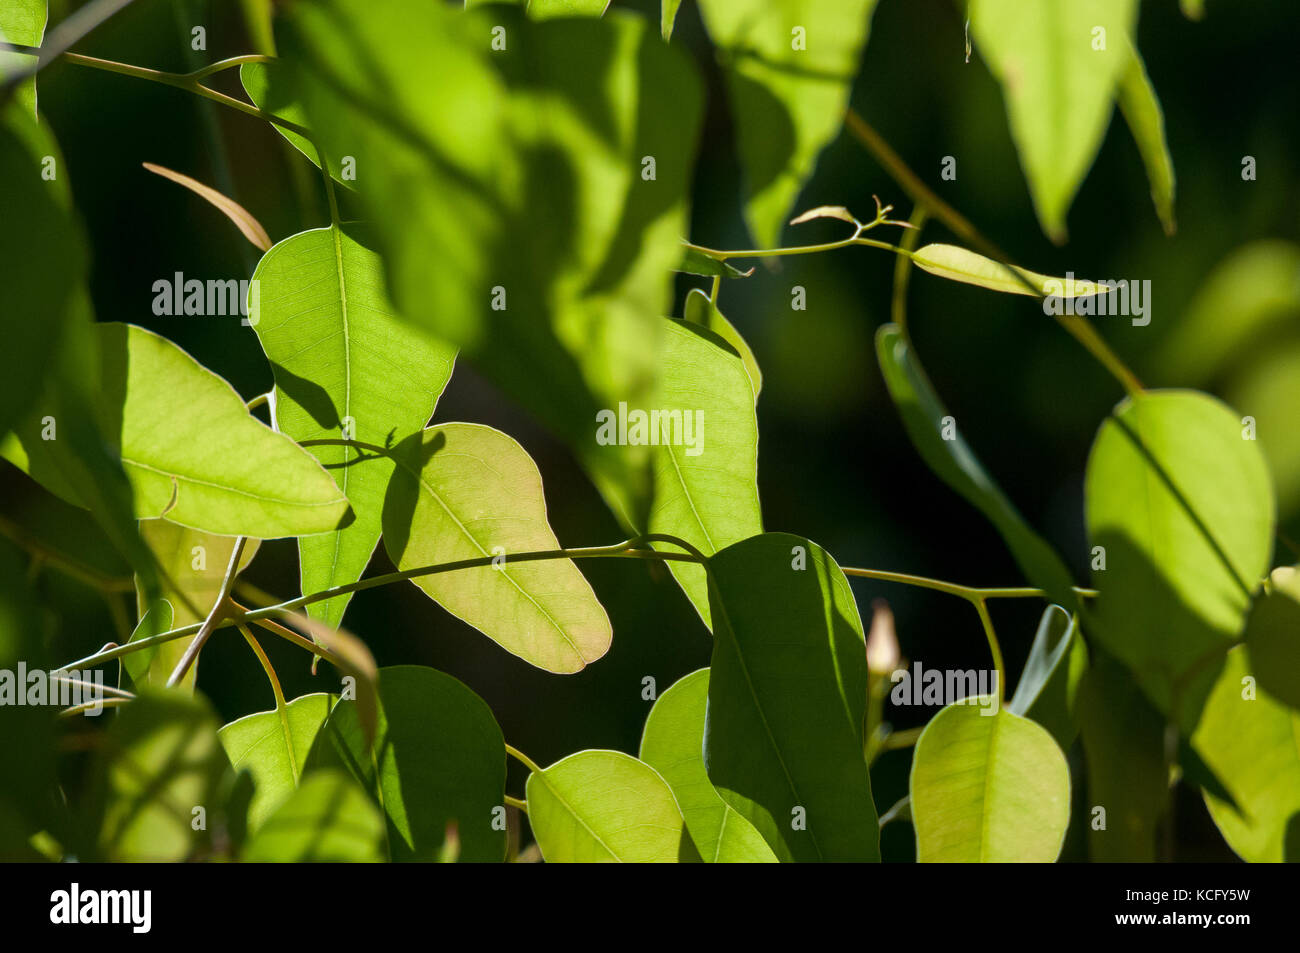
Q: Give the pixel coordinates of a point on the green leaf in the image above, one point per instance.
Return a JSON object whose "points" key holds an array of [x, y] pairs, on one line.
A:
{"points": [[1124, 739], [193, 565], [604, 806], [49, 388], [1058, 85], [159, 760], [157, 619], [672, 744], [438, 759], [22, 22], [41, 245], [1048, 688], [1146, 120], [63, 444], [695, 262], [508, 193], [960, 264], [271, 88], [955, 463], [1182, 508], [192, 451], [1273, 637], [668, 16], [1249, 739], [30, 799], [988, 789], [546, 9], [465, 491], [327, 820], [273, 747], [705, 489], [783, 738], [344, 367], [789, 66], [700, 310]]}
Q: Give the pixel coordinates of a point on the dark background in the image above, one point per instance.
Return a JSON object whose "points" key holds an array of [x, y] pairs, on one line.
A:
{"points": [[834, 462]]}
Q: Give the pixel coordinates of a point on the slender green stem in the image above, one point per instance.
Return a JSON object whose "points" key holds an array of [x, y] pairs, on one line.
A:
{"points": [[516, 802], [719, 255], [267, 667], [896, 812], [100, 703], [188, 82], [523, 759], [235, 614], [275, 628], [910, 182], [69, 680], [956, 589], [219, 607], [229, 63], [903, 268], [897, 740], [717, 288], [987, 621], [258, 401]]}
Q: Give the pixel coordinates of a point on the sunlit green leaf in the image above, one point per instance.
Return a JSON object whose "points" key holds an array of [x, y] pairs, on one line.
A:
{"points": [[673, 744], [700, 310], [988, 788], [783, 738], [545, 9], [22, 22], [438, 759], [328, 819], [344, 367], [464, 491], [668, 16], [513, 194], [968, 267], [1182, 509], [192, 451], [1058, 62], [1250, 739], [193, 565], [273, 747], [271, 88], [1146, 120], [789, 65], [604, 806], [706, 477], [952, 460]]}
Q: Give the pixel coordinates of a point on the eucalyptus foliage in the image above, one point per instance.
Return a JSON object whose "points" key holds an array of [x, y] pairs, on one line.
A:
{"points": [[508, 190]]}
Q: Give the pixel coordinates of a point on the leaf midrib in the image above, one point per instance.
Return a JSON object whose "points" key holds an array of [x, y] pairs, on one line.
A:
{"points": [[762, 716]]}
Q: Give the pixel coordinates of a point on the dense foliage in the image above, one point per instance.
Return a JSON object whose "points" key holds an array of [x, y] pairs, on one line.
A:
{"points": [[508, 189]]}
